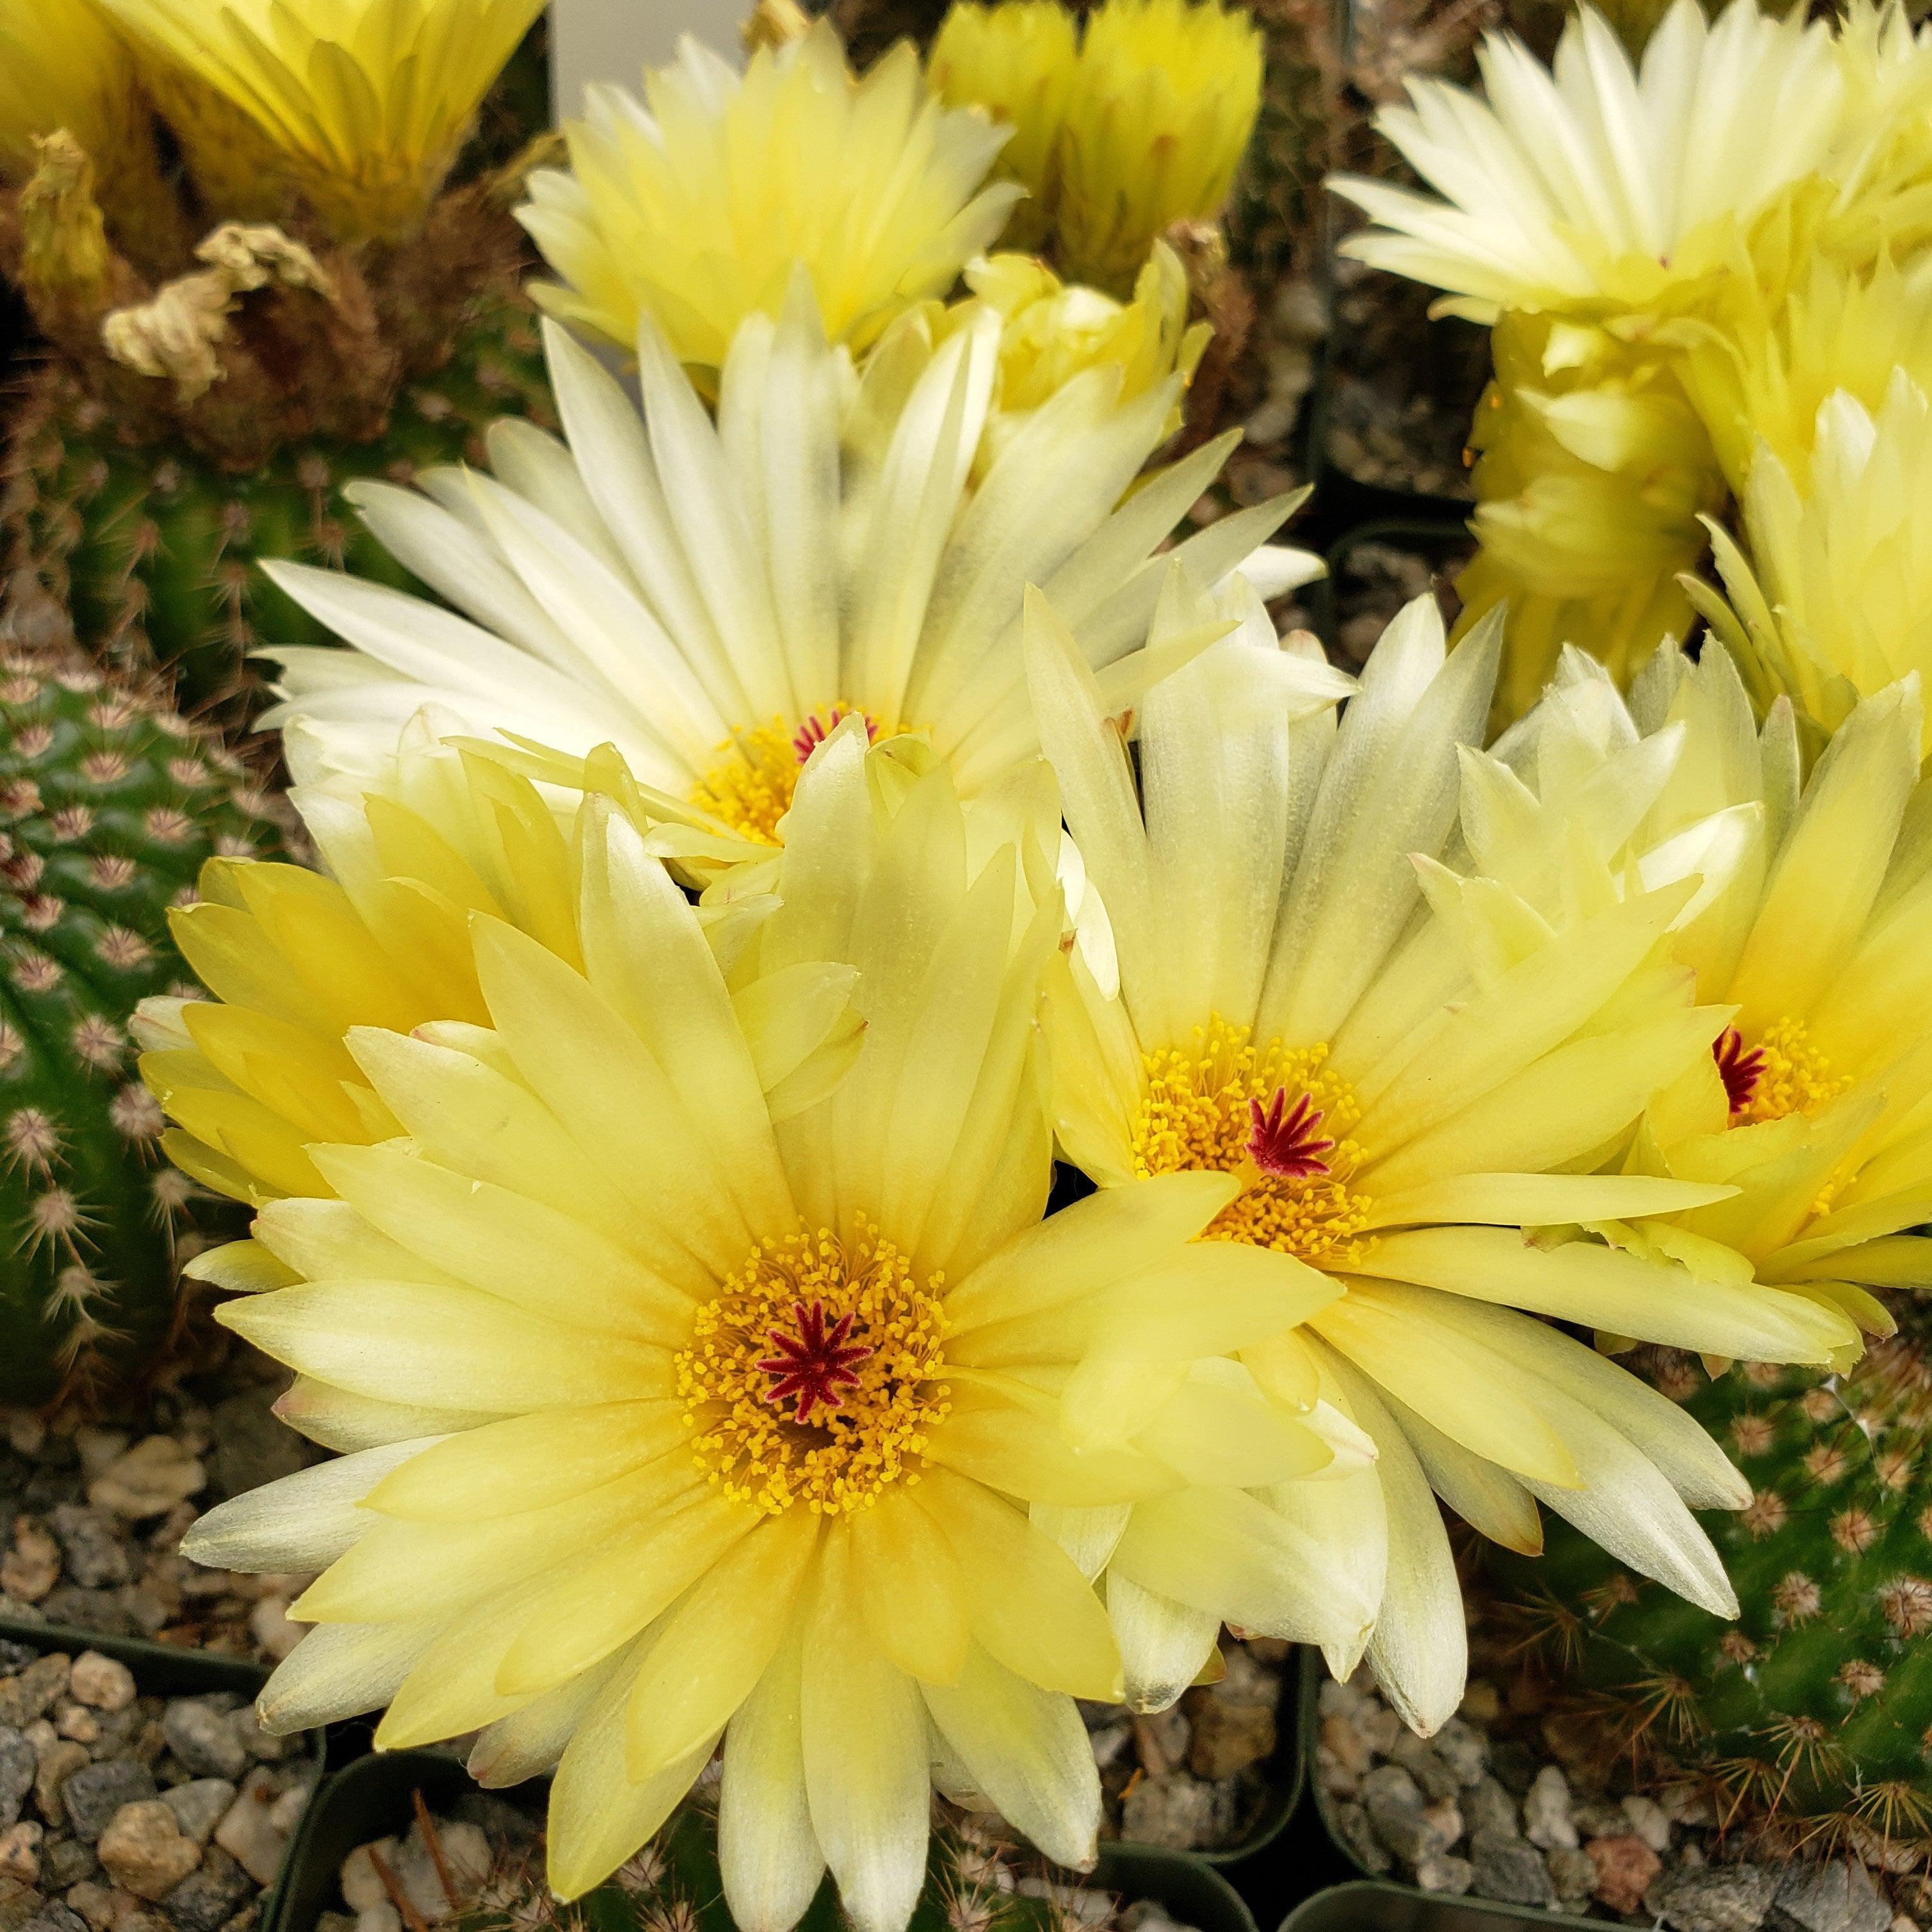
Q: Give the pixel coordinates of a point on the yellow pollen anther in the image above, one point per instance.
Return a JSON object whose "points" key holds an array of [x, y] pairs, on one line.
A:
{"points": [[839, 1455], [1793, 1077], [751, 787], [1199, 1111]]}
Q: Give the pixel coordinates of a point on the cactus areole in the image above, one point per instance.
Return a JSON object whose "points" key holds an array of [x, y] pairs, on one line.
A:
{"points": [[109, 806]]}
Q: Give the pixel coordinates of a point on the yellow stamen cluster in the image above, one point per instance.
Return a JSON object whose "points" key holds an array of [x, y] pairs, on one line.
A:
{"points": [[844, 1456], [1195, 1114], [751, 787], [1794, 1078]]}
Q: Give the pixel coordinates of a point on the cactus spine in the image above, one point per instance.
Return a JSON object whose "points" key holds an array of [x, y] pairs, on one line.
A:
{"points": [[109, 805], [1810, 1718]]}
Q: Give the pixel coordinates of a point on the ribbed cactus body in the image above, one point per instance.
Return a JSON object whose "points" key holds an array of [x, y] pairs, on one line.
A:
{"points": [[153, 549], [1811, 1714], [109, 806]]}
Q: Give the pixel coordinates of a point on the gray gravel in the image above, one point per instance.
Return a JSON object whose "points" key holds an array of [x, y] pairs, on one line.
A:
{"points": [[1196, 1777], [1496, 1805], [484, 1854], [103, 1826], [92, 1513]]}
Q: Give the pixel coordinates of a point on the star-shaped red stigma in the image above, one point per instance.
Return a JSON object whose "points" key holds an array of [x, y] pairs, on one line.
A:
{"points": [[1284, 1143], [1739, 1071], [814, 1364], [816, 729]]}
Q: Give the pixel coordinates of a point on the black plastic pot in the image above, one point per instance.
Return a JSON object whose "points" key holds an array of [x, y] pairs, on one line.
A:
{"points": [[1376, 1906], [165, 1670], [372, 1798]]}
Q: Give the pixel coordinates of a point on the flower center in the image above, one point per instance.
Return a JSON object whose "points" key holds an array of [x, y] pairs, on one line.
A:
{"points": [[1275, 1117], [1782, 1074], [751, 787], [813, 1378], [814, 1364]]}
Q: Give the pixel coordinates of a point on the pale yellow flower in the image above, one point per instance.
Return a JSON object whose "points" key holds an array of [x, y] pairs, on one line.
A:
{"points": [[668, 1423], [710, 598], [1142, 125], [694, 206], [1810, 926], [254, 1077], [1020, 61], [1404, 1070], [1605, 186], [366, 100], [1833, 602], [1593, 475], [1051, 332], [1759, 377]]}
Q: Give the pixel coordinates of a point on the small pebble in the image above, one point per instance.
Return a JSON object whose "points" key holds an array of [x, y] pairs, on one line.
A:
{"points": [[102, 1682], [92, 1795], [101, 1828], [17, 1764], [201, 1736], [1625, 1868], [1547, 1819], [200, 1805], [1574, 1873], [19, 1851], [208, 1898], [1713, 1898], [1441, 1873], [148, 1479], [249, 1834], [1510, 1870], [77, 1722], [143, 1851]]}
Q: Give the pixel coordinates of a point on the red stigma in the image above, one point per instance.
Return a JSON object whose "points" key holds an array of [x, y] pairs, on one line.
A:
{"points": [[814, 1364], [816, 729], [1290, 1146], [1739, 1071]]}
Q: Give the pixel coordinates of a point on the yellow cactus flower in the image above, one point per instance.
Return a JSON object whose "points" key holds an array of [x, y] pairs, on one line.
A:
{"points": [[1809, 927], [1020, 61], [1051, 331], [1143, 125], [670, 1423], [367, 101], [1608, 188], [62, 67], [296, 962], [1593, 475], [693, 207], [712, 598], [1833, 602], [1404, 1099], [1760, 376]]}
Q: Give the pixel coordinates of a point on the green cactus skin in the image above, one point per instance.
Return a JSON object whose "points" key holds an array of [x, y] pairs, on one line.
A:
{"points": [[109, 805], [1810, 1718], [153, 549], [673, 1885]]}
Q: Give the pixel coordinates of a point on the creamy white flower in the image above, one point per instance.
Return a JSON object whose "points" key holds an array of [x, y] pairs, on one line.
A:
{"points": [[710, 598]]}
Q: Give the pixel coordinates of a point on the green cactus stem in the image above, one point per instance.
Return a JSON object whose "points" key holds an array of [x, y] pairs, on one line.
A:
{"points": [[1808, 1719], [109, 805], [152, 547]]}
